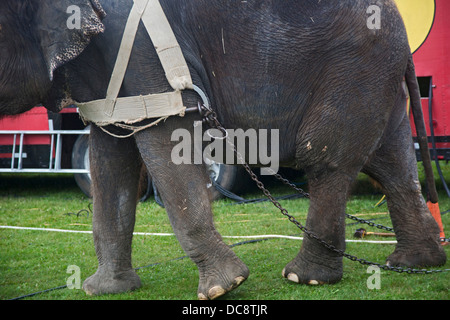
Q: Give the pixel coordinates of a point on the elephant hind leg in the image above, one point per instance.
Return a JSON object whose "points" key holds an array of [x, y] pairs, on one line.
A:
{"points": [[394, 167]]}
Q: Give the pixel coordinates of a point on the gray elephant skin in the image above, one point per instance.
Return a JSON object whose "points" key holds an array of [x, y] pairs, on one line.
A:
{"points": [[313, 69]]}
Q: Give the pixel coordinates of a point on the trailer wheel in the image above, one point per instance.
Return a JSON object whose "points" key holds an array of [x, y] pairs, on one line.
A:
{"points": [[231, 178], [80, 160]]}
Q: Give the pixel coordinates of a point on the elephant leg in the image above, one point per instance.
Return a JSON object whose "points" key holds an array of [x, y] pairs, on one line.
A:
{"points": [[316, 264], [183, 189], [115, 167], [394, 166]]}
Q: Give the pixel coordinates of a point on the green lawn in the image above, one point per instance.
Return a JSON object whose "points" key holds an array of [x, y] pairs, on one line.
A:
{"points": [[32, 261]]}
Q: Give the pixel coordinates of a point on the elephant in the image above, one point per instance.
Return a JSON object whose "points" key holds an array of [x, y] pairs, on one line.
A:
{"points": [[326, 74]]}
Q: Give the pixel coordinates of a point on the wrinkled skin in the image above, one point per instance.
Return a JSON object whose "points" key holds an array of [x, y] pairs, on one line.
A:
{"points": [[311, 69]]}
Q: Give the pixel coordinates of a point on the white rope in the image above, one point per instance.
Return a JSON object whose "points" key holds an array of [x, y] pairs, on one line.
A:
{"points": [[133, 129], [172, 234]]}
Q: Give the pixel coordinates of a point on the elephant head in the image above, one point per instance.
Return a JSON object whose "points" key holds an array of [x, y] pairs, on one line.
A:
{"points": [[37, 37]]}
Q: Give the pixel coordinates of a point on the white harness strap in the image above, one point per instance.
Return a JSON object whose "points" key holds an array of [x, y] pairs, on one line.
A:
{"points": [[166, 45], [137, 108]]}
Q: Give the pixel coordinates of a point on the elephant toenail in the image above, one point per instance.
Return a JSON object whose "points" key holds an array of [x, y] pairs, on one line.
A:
{"points": [[293, 277], [313, 282], [201, 296], [215, 292], [238, 281]]}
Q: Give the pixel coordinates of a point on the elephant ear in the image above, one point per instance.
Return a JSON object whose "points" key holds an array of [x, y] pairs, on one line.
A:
{"points": [[65, 28]]}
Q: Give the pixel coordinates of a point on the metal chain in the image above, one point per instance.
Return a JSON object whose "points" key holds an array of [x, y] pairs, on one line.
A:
{"points": [[306, 195], [370, 223], [210, 117], [380, 226]]}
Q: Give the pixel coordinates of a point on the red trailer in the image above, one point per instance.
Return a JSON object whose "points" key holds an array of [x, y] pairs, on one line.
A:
{"points": [[428, 30], [40, 141]]}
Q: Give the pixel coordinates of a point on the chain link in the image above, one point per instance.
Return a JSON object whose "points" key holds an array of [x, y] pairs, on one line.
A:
{"points": [[370, 223], [210, 117]]}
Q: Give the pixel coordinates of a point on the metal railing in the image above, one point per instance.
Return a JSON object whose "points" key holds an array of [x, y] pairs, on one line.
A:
{"points": [[55, 148]]}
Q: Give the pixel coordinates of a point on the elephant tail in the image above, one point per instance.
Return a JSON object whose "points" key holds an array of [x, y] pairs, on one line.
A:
{"points": [[422, 139]]}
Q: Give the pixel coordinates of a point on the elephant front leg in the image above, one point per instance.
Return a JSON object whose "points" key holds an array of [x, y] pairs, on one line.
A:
{"points": [[183, 189], [315, 263], [115, 167]]}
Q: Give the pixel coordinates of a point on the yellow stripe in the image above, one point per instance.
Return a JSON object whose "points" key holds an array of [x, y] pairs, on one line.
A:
{"points": [[418, 16]]}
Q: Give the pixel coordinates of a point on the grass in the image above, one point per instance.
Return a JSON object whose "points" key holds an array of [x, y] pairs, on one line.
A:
{"points": [[32, 261]]}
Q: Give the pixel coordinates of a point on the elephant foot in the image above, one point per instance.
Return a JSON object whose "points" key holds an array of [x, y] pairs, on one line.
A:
{"points": [[303, 271], [107, 282], [417, 258], [220, 278]]}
